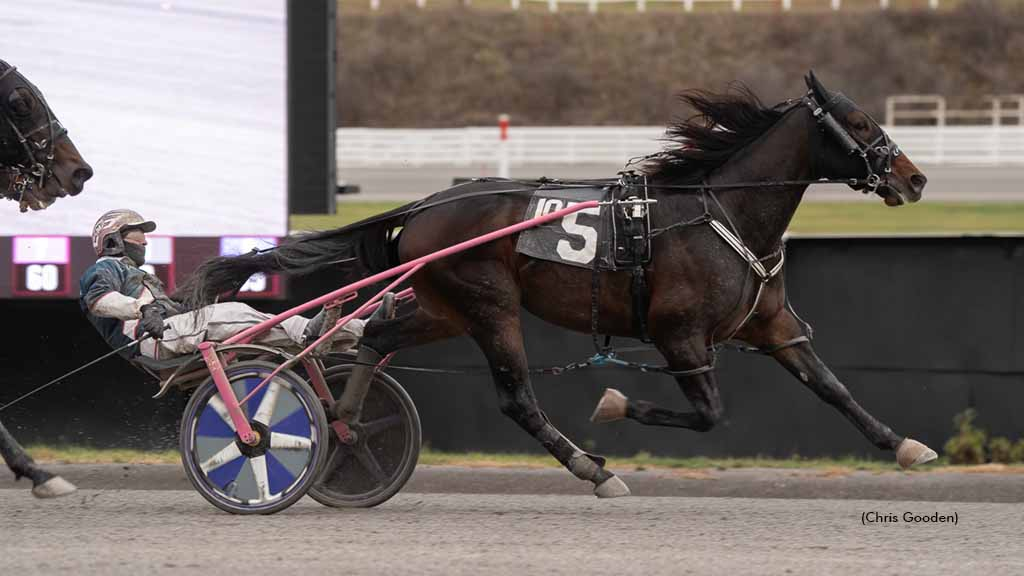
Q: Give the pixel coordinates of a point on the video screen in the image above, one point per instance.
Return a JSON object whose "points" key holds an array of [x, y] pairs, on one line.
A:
{"points": [[178, 105]]}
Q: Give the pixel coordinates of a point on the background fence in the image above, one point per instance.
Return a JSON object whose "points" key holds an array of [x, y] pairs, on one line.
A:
{"points": [[690, 5], [366, 147]]}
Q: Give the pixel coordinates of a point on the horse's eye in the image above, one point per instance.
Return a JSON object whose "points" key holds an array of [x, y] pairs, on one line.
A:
{"points": [[20, 106]]}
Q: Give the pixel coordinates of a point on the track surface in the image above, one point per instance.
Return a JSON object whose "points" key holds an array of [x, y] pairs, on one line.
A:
{"points": [[945, 183], [172, 531]]}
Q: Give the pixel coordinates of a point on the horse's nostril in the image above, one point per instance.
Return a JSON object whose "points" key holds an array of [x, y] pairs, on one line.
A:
{"points": [[82, 174], [918, 181]]}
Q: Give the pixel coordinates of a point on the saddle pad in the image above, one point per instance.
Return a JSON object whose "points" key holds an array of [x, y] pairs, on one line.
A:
{"points": [[574, 240]]}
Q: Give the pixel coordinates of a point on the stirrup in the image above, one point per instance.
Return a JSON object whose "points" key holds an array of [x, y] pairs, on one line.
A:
{"points": [[324, 320]]}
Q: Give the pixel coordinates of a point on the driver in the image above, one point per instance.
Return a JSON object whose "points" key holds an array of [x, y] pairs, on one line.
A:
{"points": [[124, 302]]}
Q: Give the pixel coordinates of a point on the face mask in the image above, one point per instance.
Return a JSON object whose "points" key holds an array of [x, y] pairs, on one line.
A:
{"points": [[136, 252]]}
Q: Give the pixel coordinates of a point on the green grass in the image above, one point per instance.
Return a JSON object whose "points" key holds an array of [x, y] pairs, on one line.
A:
{"points": [[348, 213], [644, 461], [641, 461], [811, 218], [923, 218], [87, 455]]}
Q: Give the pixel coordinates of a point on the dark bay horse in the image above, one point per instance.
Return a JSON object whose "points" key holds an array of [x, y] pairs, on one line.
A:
{"points": [[38, 164], [751, 165]]}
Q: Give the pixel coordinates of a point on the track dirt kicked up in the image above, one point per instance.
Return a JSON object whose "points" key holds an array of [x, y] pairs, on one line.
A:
{"points": [[793, 527]]}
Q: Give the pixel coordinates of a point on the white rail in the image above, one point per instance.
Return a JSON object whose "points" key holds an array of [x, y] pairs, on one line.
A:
{"points": [[386, 147], [687, 5], [931, 109]]}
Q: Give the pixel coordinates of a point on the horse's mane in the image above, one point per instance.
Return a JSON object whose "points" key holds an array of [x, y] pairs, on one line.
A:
{"points": [[724, 123]]}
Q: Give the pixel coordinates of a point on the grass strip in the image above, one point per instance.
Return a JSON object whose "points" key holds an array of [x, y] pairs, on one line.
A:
{"points": [[811, 218], [640, 461]]}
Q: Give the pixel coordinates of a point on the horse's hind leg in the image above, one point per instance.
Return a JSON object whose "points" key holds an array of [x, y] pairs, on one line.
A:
{"points": [[381, 338], [700, 389], [801, 360], [498, 333], [44, 484]]}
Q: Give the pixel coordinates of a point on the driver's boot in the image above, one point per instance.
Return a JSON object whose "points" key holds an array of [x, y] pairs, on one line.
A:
{"points": [[348, 407]]}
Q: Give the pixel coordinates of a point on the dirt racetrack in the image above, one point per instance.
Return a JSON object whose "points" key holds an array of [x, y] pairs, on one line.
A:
{"points": [[423, 531]]}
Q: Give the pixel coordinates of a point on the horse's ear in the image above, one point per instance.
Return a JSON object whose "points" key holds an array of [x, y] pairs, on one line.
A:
{"points": [[816, 86]]}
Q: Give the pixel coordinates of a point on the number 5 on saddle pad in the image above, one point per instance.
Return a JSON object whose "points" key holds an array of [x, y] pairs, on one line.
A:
{"points": [[606, 233]]}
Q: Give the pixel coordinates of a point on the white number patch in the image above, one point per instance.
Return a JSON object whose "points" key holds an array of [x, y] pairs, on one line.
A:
{"points": [[584, 255]]}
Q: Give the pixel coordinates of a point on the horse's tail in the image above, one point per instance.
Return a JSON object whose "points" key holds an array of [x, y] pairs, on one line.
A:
{"points": [[360, 248]]}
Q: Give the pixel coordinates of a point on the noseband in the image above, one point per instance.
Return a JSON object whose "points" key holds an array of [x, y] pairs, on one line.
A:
{"points": [[878, 155], [36, 162]]}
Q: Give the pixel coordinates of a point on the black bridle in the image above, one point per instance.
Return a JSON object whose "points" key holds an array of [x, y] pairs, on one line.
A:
{"points": [[35, 164], [878, 155]]}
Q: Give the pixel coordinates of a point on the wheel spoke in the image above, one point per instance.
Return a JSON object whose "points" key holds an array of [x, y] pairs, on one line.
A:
{"points": [[259, 471], [225, 455], [369, 461], [218, 406], [379, 425], [339, 454], [267, 405], [289, 441]]}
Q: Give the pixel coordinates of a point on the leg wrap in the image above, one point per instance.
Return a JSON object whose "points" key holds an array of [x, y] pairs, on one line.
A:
{"points": [[584, 466], [348, 407], [18, 461]]}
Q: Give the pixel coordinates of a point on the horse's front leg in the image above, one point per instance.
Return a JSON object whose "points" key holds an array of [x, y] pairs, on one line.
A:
{"points": [[801, 360], [44, 484]]}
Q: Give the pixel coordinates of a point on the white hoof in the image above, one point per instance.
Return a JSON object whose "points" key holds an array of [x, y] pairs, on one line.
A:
{"points": [[911, 453], [53, 488], [610, 408], [611, 488]]}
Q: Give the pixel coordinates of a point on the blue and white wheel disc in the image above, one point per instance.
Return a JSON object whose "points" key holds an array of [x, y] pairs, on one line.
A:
{"points": [[265, 478]]}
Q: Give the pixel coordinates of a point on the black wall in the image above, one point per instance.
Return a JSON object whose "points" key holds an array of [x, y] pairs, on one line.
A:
{"points": [[918, 329]]}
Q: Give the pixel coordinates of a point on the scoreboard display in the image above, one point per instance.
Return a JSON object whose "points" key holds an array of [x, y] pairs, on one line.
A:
{"points": [[41, 266], [160, 259], [50, 266], [258, 285]]}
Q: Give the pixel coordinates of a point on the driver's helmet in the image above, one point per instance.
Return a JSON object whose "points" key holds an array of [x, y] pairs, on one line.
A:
{"points": [[106, 233]]}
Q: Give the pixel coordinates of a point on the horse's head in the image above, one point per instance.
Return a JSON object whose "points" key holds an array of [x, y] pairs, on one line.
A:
{"points": [[857, 147], [38, 162]]}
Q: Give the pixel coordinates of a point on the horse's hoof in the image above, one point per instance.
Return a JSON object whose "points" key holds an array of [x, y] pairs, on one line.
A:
{"points": [[611, 488], [53, 488], [611, 407], [911, 453]]}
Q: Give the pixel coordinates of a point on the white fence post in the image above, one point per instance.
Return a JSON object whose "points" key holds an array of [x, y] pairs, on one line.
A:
{"points": [[374, 4], [641, 5], [837, 4], [883, 4], [421, 3], [787, 5], [737, 5], [688, 5], [552, 5], [592, 6], [933, 4], [515, 4]]}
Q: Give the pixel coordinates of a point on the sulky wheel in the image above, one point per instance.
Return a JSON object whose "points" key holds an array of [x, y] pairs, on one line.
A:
{"points": [[387, 445], [272, 475]]}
